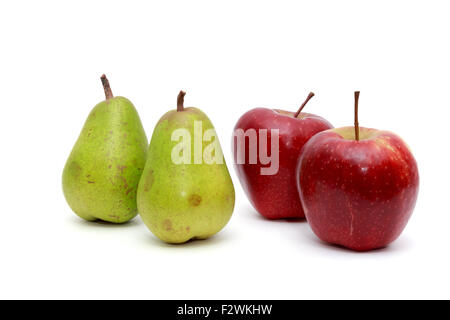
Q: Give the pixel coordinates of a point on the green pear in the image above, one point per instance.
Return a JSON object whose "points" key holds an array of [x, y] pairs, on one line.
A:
{"points": [[185, 191], [102, 173]]}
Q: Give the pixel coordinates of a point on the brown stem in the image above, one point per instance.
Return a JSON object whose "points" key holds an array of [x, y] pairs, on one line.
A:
{"points": [[356, 116], [180, 101], [106, 87], [310, 95]]}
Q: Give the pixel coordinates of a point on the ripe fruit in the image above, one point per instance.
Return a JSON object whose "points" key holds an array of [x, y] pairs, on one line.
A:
{"points": [[358, 186], [100, 177], [267, 174], [185, 191]]}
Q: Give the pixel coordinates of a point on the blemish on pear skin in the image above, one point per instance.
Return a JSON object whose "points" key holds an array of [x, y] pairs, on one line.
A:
{"points": [[167, 224], [128, 190], [194, 200], [188, 229], [148, 181], [121, 168], [75, 169], [91, 181]]}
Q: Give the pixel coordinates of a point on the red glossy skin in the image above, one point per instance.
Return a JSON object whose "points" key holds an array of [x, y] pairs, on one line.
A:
{"points": [[276, 196], [357, 194]]}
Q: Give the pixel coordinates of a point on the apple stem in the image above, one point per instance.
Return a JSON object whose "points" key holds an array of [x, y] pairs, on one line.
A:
{"points": [[180, 101], [356, 116], [310, 95], [106, 87]]}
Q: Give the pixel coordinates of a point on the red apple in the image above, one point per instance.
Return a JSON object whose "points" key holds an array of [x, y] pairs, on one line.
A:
{"points": [[358, 186], [270, 182]]}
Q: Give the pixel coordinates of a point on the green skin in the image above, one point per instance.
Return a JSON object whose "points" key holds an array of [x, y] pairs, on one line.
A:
{"points": [[179, 202], [102, 173]]}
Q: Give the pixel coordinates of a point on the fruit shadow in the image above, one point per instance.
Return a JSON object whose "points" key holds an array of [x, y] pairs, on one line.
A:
{"points": [[255, 215], [400, 245], [215, 240], [106, 225]]}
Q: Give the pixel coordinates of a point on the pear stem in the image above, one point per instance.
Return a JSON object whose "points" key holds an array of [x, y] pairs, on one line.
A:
{"points": [[180, 101], [356, 116], [310, 95], [106, 87]]}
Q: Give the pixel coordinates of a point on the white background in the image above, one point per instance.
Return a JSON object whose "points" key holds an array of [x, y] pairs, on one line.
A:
{"points": [[229, 56]]}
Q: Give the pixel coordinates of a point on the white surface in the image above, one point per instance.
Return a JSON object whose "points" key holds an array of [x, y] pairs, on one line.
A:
{"points": [[229, 57]]}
